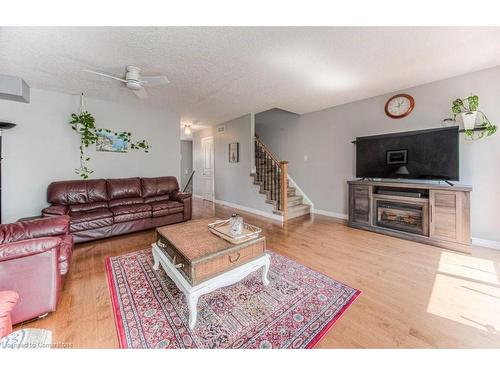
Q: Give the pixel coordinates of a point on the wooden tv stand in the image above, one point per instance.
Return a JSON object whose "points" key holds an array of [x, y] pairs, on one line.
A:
{"points": [[434, 214]]}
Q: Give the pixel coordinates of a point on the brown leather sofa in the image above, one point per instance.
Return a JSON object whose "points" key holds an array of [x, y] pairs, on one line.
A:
{"points": [[34, 257], [105, 208]]}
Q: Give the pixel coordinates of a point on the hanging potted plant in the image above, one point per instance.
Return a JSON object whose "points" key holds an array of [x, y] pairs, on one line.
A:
{"points": [[467, 108], [84, 124]]}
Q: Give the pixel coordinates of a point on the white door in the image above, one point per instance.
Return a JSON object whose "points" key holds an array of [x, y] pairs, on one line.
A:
{"points": [[207, 146]]}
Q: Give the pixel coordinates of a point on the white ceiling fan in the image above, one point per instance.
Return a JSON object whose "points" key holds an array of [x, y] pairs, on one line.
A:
{"points": [[134, 81]]}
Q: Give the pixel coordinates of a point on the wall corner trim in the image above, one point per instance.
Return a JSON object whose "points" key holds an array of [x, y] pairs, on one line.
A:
{"points": [[250, 210]]}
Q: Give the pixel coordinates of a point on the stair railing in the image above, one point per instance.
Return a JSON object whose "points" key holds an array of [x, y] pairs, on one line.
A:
{"points": [[272, 173]]}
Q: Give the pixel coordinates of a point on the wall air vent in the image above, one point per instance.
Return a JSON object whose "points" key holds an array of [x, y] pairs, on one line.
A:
{"points": [[14, 88]]}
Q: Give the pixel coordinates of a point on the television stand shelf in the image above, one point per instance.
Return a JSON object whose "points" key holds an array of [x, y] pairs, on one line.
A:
{"points": [[431, 213]]}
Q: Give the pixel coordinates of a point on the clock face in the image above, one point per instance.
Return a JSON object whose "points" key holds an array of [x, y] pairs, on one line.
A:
{"points": [[399, 106]]}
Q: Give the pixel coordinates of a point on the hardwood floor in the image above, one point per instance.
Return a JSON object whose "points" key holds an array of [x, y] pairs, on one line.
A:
{"points": [[414, 295]]}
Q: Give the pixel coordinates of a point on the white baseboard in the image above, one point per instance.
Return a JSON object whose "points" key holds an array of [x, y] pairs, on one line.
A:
{"points": [[251, 210], [486, 243], [331, 214], [197, 196]]}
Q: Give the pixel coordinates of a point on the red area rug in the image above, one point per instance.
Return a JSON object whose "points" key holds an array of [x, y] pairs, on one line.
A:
{"points": [[294, 311]]}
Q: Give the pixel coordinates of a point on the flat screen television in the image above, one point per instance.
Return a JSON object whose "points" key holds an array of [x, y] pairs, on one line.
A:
{"points": [[431, 154]]}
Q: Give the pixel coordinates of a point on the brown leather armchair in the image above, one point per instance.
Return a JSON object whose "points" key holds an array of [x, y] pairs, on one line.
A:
{"points": [[34, 257]]}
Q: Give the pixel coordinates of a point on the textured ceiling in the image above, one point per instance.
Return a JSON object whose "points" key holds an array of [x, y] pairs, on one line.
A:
{"points": [[217, 74]]}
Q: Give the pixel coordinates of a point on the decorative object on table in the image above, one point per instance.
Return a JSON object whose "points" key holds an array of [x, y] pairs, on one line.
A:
{"points": [[3, 126], [151, 312], [399, 106], [222, 228], [468, 109], [234, 152], [199, 262], [84, 124], [236, 224]]}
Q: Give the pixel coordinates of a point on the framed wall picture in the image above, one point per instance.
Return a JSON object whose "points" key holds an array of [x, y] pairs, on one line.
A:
{"points": [[234, 152]]}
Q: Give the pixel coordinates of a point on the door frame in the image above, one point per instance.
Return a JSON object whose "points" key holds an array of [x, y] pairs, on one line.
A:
{"points": [[213, 166]]}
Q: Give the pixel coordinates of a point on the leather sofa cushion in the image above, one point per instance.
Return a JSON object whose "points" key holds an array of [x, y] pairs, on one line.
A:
{"points": [[171, 206], [132, 216], [92, 224], [130, 209], [124, 188], [157, 198], [159, 213], [87, 206], [125, 201], [77, 192], [55, 210], [155, 186], [83, 216]]}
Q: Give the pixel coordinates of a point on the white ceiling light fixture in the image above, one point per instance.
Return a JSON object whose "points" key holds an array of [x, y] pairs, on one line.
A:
{"points": [[134, 81], [187, 130]]}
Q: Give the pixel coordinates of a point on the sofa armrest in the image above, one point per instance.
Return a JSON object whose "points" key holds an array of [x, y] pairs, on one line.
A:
{"points": [[55, 210], [21, 249], [180, 197], [45, 227], [186, 200]]}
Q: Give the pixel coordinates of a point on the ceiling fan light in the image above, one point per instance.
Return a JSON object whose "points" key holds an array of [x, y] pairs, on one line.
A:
{"points": [[187, 130]]}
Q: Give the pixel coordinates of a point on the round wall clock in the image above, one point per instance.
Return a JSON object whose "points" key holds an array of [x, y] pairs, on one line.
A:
{"points": [[399, 106]]}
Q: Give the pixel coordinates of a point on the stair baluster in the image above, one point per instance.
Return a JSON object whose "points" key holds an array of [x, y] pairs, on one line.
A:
{"points": [[273, 174]]}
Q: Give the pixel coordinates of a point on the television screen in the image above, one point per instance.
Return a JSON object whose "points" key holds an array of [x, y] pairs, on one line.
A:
{"points": [[424, 154]]}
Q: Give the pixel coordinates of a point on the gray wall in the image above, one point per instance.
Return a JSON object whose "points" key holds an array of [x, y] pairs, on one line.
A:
{"points": [[324, 138], [43, 148], [186, 161], [233, 183]]}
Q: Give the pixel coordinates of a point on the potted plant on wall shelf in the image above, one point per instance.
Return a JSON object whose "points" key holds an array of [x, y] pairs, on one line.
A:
{"points": [[467, 108]]}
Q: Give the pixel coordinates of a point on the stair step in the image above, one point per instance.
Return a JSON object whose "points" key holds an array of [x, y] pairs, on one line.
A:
{"points": [[296, 211], [294, 200]]}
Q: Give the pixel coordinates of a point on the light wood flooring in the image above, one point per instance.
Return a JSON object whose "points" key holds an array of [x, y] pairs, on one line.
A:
{"points": [[413, 295]]}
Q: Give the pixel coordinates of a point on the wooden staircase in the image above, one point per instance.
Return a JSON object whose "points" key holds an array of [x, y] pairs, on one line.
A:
{"points": [[271, 175]]}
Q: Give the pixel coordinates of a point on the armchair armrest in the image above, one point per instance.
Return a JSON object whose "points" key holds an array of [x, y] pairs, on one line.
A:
{"points": [[186, 200], [55, 210], [21, 249], [45, 227]]}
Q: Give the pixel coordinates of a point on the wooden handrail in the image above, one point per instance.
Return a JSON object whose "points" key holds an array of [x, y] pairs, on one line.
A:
{"points": [[188, 181], [266, 149]]}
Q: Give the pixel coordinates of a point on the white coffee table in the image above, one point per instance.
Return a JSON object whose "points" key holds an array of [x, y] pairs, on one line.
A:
{"points": [[192, 293]]}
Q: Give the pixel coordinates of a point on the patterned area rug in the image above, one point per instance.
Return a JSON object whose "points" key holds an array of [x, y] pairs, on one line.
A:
{"points": [[294, 311]]}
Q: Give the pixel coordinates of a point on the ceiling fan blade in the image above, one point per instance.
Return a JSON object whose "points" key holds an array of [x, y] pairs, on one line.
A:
{"points": [[104, 75], [141, 93], [151, 81]]}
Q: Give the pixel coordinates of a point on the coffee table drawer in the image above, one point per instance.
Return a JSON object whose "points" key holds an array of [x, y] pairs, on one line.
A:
{"points": [[229, 260]]}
